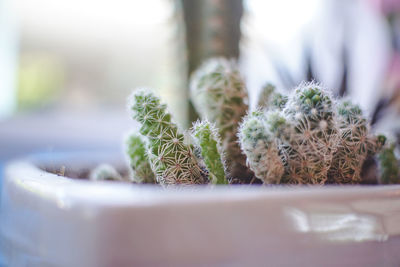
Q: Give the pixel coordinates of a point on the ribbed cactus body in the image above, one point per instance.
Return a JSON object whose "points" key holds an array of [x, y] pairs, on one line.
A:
{"points": [[314, 138], [220, 96], [208, 139], [136, 150], [172, 161], [261, 148], [388, 166], [353, 145]]}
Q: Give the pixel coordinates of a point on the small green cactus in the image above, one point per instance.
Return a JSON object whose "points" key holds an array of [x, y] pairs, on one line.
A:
{"points": [[314, 138], [172, 161], [105, 172], [269, 98], [208, 139], [261, 148], [219, 94], [138, 159], [388, 166]]}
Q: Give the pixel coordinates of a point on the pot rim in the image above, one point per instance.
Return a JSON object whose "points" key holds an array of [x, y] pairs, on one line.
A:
{"points": [[28, 177]]}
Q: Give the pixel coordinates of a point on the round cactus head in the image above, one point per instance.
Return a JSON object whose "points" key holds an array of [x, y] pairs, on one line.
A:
{"points": [[312, 101], [347, 109], [351, 114], [261, 148]]}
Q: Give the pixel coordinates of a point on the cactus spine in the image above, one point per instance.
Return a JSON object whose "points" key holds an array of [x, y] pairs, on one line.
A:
{"points": [[138, 159], [208, 140], [220, 96], [172, 161], [261, 148]]}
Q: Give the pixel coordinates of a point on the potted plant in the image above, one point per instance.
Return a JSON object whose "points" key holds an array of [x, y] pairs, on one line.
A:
{"points": [[184, 207]]}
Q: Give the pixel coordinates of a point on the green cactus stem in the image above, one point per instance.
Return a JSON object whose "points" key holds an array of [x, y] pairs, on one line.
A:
{"points": [[105, 172], [261, 148], [219, 94], [315, 135], [172, 161], [138, 159], [388, 166], [208, 139]]}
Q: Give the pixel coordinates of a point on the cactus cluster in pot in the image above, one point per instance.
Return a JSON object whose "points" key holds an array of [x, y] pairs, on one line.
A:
{"points": [[311, 137], [306, 137]]}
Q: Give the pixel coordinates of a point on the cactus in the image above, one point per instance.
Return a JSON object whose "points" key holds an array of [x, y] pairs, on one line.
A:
{"points": [[105, 172], [315, 144], [261, 148], [269, 98], [172, 161], [302, 138], [356, 143], [388, 166], [208, 140], [314, 137], [353, 147], [220, 96], [138, 159]]}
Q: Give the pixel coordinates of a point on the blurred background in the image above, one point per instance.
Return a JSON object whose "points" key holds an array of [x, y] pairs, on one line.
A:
{"points": [[67, 67]]}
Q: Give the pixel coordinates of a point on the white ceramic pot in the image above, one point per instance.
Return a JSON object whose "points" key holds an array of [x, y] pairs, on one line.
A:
{"points": [[48, 220]]}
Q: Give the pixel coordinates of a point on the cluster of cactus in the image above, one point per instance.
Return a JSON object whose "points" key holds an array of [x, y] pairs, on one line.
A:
{"points": [[306, 138], [160, 153], [220, 96], [301, 138]]}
